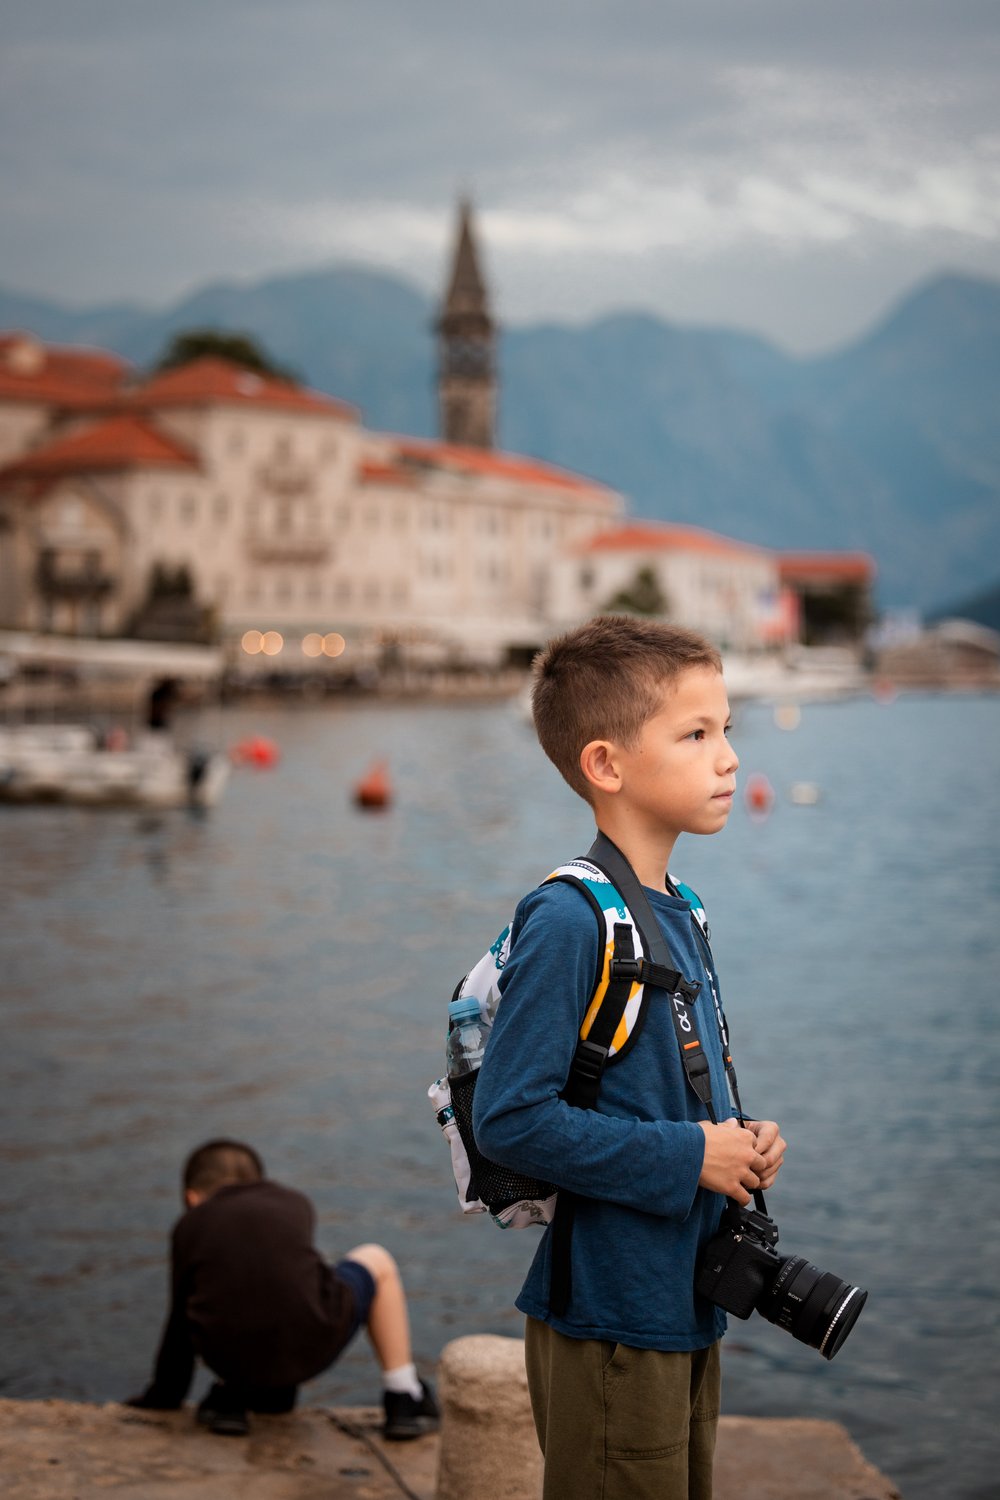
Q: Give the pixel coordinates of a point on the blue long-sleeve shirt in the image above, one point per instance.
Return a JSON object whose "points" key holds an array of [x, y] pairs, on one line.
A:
{"points": [[635, 1160]]}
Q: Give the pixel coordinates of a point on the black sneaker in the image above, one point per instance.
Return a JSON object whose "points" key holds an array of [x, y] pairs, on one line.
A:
{"points": [[406, 1417], [222, 1414]]}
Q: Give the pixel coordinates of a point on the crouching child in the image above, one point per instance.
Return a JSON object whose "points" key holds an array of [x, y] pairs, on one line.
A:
{"points": [[253, 1298]]}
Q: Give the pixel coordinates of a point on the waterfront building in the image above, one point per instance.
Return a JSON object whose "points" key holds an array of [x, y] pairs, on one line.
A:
{"points": [[212, 502], [273, 512], [730, 591], [834, 590]]}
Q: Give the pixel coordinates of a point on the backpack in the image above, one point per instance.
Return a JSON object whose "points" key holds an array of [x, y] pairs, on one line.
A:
{"points": [[610, 1028]]}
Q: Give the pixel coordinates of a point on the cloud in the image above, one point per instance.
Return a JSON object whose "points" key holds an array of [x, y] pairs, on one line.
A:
{"points": [[647, 145], [959, 197]]}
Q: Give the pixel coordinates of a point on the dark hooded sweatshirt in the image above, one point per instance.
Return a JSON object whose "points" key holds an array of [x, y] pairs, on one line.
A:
{"points": [[251, 1295]]}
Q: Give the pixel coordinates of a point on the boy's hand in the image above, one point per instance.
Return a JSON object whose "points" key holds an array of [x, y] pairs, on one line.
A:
{"points": [[771, 1146], [732, 1164]]}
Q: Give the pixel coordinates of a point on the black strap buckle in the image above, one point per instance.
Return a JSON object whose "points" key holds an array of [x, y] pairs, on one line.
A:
{"points": [[589, 1060], [695, 1062], [626, 968]]}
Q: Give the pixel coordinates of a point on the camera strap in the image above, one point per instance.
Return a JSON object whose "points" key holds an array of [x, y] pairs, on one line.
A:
{"points": [[682, 992]]}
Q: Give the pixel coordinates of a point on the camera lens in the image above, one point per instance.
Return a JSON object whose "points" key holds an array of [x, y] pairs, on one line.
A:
{"points": [[816, 1307]]}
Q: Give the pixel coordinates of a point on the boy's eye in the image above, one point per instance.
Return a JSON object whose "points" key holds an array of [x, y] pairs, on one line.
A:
{"points": [[697, 734], [728, 730]]}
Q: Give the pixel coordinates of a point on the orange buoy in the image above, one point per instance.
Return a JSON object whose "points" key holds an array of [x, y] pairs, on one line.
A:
{"points": [[758, 794], [373, 790], [256, 750]]}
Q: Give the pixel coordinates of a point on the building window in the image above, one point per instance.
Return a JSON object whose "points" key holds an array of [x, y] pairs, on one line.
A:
{"points": [[221, 509], [236, 441], [188, 508]]}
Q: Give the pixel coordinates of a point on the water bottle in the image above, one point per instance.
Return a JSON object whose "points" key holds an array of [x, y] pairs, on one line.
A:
{"points": [[466, 1038]]}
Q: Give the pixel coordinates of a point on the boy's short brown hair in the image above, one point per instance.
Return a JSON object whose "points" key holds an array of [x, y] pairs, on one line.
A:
{"points": [[604, 681], [221, 1162]]}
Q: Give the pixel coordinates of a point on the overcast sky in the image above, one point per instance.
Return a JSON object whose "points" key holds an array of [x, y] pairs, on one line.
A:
{"points": [[789, 166]]}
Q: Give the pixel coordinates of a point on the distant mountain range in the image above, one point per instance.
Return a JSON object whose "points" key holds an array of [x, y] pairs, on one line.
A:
{"points": [[891, 445]]}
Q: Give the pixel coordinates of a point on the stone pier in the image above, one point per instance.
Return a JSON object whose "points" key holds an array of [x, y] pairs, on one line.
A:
{"points": [[60, 1450]]}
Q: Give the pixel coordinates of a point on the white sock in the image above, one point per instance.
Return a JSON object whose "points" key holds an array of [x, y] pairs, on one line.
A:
{"points": [[403, 1381]]}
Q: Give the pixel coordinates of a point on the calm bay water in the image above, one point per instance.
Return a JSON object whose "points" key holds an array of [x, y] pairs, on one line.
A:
{"points": [[280, 971]]}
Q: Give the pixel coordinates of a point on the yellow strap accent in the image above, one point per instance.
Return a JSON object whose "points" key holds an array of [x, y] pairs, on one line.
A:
{"points": [[599, 994], [621, 1035]]}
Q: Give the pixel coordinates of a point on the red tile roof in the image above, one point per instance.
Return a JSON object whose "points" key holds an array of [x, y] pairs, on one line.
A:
{"points": [[75, 378], [122, 442], [648, 536], [421, 453], [375, 471], [838, 567], [216, 382]]}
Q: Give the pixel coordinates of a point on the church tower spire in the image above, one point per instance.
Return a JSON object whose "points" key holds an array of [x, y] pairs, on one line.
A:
{"points": [[467, 382]]}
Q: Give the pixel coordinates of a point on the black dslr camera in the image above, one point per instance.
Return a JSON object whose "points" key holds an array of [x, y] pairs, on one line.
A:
{"points": [[740, 1270]]}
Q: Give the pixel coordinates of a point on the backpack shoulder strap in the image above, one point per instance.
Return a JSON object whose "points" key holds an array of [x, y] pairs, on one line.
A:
{"points": [[694, 902], [617, 1008]]}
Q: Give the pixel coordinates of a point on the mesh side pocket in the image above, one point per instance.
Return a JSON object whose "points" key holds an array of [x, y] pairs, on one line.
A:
{"points": [[498, 1187]]}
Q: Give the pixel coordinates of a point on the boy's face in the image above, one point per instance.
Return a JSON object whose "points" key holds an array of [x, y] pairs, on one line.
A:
{"points": [[680, 776]]}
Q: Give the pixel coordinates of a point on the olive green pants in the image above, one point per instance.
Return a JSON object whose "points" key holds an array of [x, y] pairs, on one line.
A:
{"points": [[616, 1423]]}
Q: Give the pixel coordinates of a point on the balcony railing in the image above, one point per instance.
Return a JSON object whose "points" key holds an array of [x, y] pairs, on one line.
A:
{"points": [[73, 581], [299, 546], [285, 478]]}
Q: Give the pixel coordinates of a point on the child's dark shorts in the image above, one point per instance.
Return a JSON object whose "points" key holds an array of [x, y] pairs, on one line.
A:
{"points": [[360, 1285]]}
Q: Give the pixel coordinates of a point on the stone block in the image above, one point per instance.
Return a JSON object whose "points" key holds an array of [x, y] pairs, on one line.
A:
{"points": [[487, 1443]]}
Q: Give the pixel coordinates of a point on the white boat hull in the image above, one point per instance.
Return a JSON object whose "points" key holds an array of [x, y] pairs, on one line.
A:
{"points": [[65, 764]]}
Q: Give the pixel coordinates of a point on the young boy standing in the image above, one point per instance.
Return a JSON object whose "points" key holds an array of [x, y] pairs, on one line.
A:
{"points": [[624, 1381], [253, 1298]]}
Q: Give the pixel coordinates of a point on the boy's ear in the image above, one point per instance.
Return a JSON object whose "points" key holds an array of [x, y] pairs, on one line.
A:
{"points": [[599, 764], [192, 1197]]}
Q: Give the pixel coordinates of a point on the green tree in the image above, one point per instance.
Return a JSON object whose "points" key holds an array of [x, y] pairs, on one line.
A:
{"points": [[238, 348], [643, 596]]}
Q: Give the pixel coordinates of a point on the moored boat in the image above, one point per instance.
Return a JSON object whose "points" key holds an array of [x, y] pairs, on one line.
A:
{"points": [[70, 764]]}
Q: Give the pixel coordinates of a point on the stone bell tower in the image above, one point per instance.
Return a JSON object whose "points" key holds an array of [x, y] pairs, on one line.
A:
{"points": [[467, 380]]}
